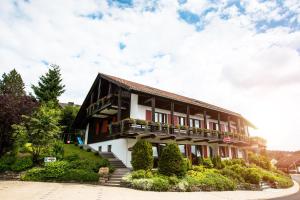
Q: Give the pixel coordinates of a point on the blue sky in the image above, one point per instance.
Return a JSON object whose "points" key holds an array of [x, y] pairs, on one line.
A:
{"points": [[242, 55]]}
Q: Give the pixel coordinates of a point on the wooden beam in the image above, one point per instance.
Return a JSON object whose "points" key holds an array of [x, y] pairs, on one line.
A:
{"points": [[205, 119], [229, 125], [148, 136], [239, 125], [172, 137], [99, 88], [219, 121], [109, 89], [92, 97], [183, 139], [188, 118], [119, 104], [153, 108], [148, 100], [172, 113], [201, 140]]}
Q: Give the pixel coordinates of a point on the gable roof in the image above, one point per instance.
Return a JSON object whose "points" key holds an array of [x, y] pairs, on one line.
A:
{"points": [[133, 86]]}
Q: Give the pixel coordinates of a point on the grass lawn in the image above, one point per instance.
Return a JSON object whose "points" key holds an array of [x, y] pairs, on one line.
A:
{"points": [[83, 154]]}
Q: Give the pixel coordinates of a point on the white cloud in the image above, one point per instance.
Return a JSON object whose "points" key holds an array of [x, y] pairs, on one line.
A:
{"points": [[228, 63]]}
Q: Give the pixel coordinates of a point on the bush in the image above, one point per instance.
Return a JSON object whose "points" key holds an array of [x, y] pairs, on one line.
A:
{"points": [[233, 162], [56, 169], [34, 174], [142, 184], [89, 165], [261, 161], [72, 157], [217, 162], [229, 173], [188, 163], [57, 149], [79, 175], [4, 167], [206, 162], [142, 155], [141, 174], [160, 184], [22, 163], [252, 176], [171, 161]]}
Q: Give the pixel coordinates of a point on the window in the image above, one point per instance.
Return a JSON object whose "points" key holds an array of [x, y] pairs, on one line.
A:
{"points": [[161, 117], [181, 121], [108, 148], [195, 123], [182, 149]]}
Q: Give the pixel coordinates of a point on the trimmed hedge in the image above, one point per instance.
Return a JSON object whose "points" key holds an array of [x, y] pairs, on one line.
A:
{"points": [[80, 175], [171, 161], [142, 155], [22, 164]]}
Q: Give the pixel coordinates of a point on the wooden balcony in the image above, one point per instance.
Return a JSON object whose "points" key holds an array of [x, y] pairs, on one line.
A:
{"points": [[143, 129]]}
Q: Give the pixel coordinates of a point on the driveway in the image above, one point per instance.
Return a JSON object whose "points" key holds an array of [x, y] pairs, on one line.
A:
{"points": [[294, 196], [17, 190]]}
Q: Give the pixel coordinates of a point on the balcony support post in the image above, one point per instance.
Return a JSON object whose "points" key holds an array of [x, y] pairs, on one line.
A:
{"points": [[205, 119], [239, 125], [188, 118], [172, 117], [109, 89], [229, 125], [153, 108], [99, 89], [119, 104], [219, 122]]}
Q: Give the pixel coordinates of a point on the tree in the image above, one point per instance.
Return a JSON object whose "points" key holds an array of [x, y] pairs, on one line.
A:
{"points": [[13, 104], [12, 84], [142, 155], [40, 129], [50, 86], [171, 161], [67, 117]]}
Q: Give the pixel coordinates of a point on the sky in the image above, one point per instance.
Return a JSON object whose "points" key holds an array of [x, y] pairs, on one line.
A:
{"points": [[240, 55]]}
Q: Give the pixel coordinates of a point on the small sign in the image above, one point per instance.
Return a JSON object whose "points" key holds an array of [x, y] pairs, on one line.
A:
{"points": [[49, 159]]}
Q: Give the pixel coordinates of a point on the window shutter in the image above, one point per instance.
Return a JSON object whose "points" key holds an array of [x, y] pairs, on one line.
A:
{"points": [[148, 115]]}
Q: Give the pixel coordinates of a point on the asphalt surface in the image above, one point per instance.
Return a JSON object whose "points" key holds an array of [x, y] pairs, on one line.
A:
{"points": [[295, 196]]}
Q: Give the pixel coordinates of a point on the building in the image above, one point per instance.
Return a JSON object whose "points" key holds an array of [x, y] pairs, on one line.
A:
{"points": [[117, 112]]}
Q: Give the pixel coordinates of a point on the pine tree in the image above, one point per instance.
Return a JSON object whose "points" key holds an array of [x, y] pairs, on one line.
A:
{"points": [[50, 86], [12, 84]]}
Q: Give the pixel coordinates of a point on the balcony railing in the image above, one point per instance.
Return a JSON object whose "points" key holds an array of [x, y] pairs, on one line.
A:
{"points": [[136, 127], [101, 103]]}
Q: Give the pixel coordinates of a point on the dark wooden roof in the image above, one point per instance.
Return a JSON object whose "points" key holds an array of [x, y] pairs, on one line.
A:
{"points": [[133, 86]]}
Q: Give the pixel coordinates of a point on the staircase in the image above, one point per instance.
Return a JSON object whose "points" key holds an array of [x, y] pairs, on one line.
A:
{"points": [[120, 169]]}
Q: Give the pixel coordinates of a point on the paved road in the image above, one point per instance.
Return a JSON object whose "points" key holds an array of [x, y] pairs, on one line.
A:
{"points": [[17, 190], [293, 196]]}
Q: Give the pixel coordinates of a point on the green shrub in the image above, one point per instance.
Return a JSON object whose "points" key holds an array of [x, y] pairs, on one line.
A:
{"points": [[173, 180], [4, 167], [229, 173], [54, 170], [171, 161], [206, 162], [188, 163], [259, 160], [160, 184], [252, 176], [89, 165], [198, 168], [22, 163], [34, 174], [141, 174], [142, 155], [72, 157], [57, 149], [88, 150], [79, 175], [217, 162], [142, 184], [7, 159]]}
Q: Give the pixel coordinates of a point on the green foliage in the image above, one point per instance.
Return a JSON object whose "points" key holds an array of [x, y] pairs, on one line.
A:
{"points": [[5, 162], [171, 161], [57, 149], [160, 184], [141, 174], [234, 161], [12, 84], [67, 117], [54, 170], [252, 176], [142, 155], [80, 175], [188, 163], [229, 173], [217, 162], [50, 86], [34, 174], [206, 162], [22, 163], [142, 184], [210, 180], [72, 157], [4, 167], [88, 165], [40, 129], [259, 160]]}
